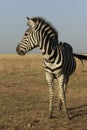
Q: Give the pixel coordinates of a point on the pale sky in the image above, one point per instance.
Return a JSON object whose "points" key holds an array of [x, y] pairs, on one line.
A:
{"points": [[69, 17]]}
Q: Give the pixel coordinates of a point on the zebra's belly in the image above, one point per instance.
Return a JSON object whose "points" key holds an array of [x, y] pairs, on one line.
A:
{"points": [[60, 68]]}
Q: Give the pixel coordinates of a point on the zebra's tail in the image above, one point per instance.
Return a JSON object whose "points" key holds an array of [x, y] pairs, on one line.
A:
{"points": [[82, 58]]}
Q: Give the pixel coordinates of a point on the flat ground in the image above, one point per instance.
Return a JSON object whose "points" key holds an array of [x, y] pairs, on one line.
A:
{"points": [[24, 96]]}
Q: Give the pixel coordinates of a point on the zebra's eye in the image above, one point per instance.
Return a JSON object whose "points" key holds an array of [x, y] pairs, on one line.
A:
{"points": [[26, 34]]}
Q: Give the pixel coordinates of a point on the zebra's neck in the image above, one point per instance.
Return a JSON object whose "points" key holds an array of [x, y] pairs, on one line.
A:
{"points": [[47, 39], [46, 48]]}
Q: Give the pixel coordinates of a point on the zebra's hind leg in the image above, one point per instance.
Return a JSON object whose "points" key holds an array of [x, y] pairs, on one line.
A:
{"points": [[50, 81], [62, 95]]}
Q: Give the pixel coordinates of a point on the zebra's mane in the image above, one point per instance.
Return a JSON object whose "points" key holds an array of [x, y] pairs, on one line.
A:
{"points": [[44, 21]]}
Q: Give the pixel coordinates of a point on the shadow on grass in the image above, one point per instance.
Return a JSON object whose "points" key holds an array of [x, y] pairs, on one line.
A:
{"points": [[78, 111]]}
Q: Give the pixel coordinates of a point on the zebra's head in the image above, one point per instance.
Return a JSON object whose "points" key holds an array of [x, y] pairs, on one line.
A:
{"points": [[29, 40], [39, 34]]}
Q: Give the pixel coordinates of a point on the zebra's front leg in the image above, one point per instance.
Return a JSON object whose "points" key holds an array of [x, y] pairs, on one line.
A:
{"points": [[51, 97], [50, 81], [60, 102], [65, 88], [62, 95]]}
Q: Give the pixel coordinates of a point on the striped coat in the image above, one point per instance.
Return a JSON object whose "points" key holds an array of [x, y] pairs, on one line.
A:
{"points": [[59, 61]]}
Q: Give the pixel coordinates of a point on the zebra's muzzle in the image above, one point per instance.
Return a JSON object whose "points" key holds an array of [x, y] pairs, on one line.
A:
{"points": [[20, 52]]}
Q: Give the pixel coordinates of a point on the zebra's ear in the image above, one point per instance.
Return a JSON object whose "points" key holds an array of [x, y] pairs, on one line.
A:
{"points": [[54, 44], [28, 18], [31, 23]]}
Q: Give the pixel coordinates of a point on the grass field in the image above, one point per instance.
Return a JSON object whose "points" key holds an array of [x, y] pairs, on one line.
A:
{"points": [[24, 96]]}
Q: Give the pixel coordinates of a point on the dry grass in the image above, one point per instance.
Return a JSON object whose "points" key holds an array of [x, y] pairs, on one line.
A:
{"points": [[24, 96]]}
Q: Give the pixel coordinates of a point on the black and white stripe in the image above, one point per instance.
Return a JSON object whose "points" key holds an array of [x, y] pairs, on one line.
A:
{"points": [[59, 61]]}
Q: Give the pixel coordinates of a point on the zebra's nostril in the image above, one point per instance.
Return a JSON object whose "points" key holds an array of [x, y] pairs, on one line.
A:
{"points": [[21, 52]]}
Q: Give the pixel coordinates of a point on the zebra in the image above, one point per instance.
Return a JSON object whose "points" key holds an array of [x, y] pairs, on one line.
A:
{"points": [[59, 59]]}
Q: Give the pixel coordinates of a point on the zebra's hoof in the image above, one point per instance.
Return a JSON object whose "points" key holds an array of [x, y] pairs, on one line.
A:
{"points": [[50, 116]]}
